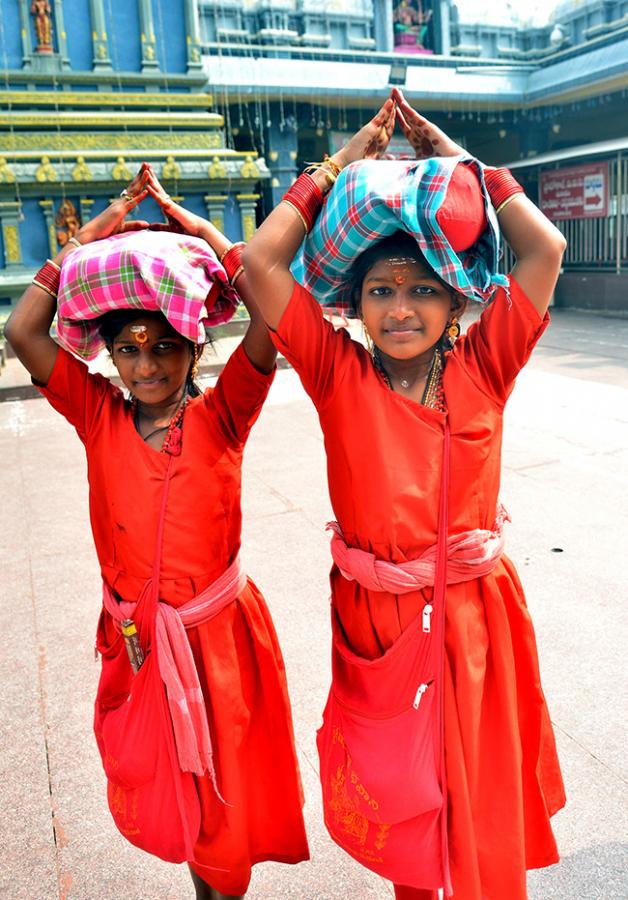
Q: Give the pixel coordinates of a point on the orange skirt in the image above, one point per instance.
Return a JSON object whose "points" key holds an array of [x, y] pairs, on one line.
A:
{"points": [[243, 678], [504, 779]]}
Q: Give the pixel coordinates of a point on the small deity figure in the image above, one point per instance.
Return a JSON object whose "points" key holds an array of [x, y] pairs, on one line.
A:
{"points": [[120, 171], [171, 169], [249, 169], [46, 171], [41, 12], [81, 171], [67, 221], [411, 24]]}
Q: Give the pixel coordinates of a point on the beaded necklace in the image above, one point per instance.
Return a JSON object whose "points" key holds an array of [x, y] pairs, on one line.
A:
{"points": [[174, 428], [433, 395]]}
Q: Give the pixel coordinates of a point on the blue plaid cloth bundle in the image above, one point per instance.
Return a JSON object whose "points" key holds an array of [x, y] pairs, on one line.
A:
{"points": [[374, 198]]}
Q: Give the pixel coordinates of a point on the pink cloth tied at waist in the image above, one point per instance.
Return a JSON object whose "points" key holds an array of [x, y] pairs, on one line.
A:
{"points": [[176, 662], [470, 554]]}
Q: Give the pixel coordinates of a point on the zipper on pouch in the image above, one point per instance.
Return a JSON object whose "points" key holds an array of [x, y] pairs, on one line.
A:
{"points": [[427, 617], [419, 694]]}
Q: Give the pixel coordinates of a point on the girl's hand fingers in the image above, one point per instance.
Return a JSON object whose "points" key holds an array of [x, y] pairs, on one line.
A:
{"points": [[402, 122], [136, 225]]}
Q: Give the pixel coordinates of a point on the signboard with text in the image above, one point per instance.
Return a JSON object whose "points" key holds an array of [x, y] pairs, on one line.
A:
{"points": [[579, 192]]}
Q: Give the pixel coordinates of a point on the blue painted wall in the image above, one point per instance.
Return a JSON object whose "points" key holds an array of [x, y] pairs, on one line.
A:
{"points": [[10, 37], [169, 21], [123, 30], [78, 28], [33, 234]]}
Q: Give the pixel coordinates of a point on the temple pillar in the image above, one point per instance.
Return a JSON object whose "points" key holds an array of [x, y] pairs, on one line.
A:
{"points": [[215, 204], [193, 35], [248, 205], [10, 212], [149, 45], [383, 25], [60, 34], [100, 41], [48, 210], [25, 30]]}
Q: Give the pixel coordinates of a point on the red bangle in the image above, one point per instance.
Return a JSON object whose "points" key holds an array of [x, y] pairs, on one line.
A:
{"points": [[501, 186], [232, 261], [48, 278], [306, 198]]}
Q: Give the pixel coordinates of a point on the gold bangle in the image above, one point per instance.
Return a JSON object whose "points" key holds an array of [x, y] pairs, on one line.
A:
{"points": [[44, 288], [298, 212], [236, 275], [224, 252], [506, 202], [74, 241]]}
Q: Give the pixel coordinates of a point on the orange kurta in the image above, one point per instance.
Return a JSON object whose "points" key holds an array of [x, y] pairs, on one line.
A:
{"points": [[384, 455], [237, 655]]}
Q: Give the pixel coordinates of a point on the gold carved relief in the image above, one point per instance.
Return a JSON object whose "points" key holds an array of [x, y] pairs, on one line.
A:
{"points": [[248, 169], [6, 173], [109, 141], [81, 171], [120, 171], [248, 226], [217, 169], [11, 244], [171, 169], [46, 171]]}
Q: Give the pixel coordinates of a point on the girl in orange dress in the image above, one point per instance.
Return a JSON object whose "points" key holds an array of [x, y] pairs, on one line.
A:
{"points": [[129, 450], [383, 417]]}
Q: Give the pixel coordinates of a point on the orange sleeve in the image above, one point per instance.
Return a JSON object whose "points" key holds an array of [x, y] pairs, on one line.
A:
{"points": [[239, 395], [75, 393], [312, 346], [499, 344]]}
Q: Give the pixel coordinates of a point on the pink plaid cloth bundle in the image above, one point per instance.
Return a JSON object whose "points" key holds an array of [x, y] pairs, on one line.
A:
{"points": [[158, 271]]}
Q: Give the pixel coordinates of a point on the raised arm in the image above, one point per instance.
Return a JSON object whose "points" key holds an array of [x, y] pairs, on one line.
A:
{"points": [[270, 252], [538, 246], [257, 344], [28, 327]]}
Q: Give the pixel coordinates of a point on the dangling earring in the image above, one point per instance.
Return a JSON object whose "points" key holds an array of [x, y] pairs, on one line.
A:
{"points": [[452, 331], [196, 355], [368, 340]]}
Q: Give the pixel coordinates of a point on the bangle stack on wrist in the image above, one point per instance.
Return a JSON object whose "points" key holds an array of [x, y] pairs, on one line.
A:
{"points": [[306, 198], [48, 278], [328, 167], [502, 187], [231, 259]]}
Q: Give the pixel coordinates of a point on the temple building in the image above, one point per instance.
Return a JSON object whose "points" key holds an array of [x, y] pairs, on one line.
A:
{"points": [[230, 98], [90, 88]]}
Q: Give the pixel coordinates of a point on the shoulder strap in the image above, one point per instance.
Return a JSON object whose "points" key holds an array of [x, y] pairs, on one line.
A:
{"points": [[151, 598], [440, 598]]}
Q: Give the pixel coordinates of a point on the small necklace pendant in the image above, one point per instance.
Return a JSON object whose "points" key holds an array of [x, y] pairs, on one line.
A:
{"points": [[404, 383]]}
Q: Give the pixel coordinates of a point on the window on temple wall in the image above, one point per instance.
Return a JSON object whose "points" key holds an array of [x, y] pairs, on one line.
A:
{"points": [[413, 26]]}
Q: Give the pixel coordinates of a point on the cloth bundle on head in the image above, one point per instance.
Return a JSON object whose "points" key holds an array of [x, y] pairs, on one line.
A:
{"points": [[158, 271], [442, 202]]}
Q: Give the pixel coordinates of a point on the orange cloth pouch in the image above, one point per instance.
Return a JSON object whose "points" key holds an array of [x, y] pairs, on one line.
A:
{"points": [[154, 804], [381, 745]]}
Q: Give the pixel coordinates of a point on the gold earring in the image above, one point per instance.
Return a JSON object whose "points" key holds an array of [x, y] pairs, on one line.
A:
{"points": [[368, 340], [196, 355], [453, 330]]}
